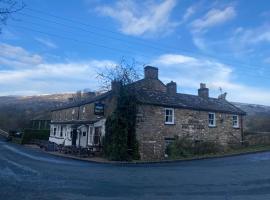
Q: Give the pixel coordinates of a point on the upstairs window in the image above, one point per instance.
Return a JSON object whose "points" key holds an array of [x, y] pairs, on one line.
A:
{"points": [[235, 121], [83, 110], [169, 116], [211, 119]]}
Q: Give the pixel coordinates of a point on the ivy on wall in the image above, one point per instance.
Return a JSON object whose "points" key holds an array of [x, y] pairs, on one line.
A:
{"points": [[120, 141]]}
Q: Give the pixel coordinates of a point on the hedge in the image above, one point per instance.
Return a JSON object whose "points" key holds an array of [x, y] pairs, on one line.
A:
{"points": [[33, 134]]}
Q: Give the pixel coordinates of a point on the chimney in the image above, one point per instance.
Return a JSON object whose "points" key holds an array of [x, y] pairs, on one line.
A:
{"points": [[115, 86], [150, 72], [171, 88], [78, 95], [203, 91]]}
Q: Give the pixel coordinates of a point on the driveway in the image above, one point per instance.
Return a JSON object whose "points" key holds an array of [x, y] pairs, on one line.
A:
{"points": [[32, 174]]}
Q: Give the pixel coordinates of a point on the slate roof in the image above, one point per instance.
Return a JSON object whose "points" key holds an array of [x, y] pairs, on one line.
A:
{"points": [[159, 98], [83, 101], [186, 101]]}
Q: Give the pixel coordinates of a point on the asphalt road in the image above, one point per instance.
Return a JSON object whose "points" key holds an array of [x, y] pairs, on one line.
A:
{"points": [[30, 174]]}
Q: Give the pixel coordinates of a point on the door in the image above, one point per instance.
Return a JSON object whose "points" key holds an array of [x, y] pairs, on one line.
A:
{"points": [[74, 137], [97, 136]]}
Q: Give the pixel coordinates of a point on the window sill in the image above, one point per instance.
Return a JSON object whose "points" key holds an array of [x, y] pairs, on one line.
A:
{"points": [[212, 126], [236, 127], [168, 123]]}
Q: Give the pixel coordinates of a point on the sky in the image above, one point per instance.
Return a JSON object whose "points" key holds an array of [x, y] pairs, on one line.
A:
{"points": [[59, 46]]}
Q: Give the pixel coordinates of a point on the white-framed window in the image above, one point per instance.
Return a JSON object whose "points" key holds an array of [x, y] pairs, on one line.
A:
{"points": [[83, 110], [169, 116], [235, 120], [54, 131], [211, 119]]}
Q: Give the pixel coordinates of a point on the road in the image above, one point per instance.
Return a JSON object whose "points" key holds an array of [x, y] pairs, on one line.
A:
{"points": [[31, 174]]}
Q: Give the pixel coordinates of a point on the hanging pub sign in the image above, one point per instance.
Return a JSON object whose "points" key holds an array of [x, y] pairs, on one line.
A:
{"points": [[99, 109]]}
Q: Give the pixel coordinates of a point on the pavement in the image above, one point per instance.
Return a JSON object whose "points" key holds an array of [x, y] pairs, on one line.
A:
{"points": [[27, 173]]}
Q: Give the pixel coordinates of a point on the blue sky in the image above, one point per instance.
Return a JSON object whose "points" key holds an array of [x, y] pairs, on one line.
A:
{"points": [[58, 46]]}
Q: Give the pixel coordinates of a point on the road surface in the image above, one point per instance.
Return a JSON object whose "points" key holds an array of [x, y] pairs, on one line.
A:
{"points": [[31, 174]]}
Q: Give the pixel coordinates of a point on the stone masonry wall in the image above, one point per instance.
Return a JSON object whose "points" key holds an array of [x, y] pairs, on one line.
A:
{"points": [[86, 112], [151, 129]]}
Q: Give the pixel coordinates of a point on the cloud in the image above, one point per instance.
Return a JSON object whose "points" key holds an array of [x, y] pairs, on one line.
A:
{"points": [[190, 71], [46, 42], [190, 11], [141, 18], [15, 56], [212, 18], [41, 77], [252, 36]]}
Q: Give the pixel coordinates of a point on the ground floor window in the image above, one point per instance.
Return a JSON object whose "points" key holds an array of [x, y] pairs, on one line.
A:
{"points": [[169, 116], [54, 131]]}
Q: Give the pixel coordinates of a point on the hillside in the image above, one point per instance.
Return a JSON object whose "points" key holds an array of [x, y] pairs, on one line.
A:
{"points": [[17, 111], [258, 117]]}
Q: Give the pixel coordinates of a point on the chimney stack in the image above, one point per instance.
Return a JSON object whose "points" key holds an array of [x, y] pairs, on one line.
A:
{"points": [[171, 88], [150, 72], [115, 86], [203, 91]]}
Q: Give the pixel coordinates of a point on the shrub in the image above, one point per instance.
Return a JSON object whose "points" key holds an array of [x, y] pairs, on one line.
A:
{"points": [[33, 134], [184, 147]]}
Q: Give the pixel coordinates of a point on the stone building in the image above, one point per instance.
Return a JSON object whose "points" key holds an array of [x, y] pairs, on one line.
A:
{"points": [[162, 115]]}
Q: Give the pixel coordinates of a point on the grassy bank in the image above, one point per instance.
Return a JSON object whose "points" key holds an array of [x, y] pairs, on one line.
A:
{"points": [[231, 152]]}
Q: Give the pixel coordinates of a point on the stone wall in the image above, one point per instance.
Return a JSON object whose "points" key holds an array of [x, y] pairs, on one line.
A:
{"points": [[84, 112], [151, 129]]}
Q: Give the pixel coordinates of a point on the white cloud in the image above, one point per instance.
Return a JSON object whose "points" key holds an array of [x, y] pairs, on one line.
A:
{"points": [[189, 72], [46, 42], [141, 18], [253, 36], [42, 77], [15, 56], [212, 18], [189, 13]]}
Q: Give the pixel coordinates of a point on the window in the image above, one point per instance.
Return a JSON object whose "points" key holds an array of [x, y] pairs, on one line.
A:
{"points": [[73, 112], [84, 133], [212, 119], [83, 110], [54, 131], [235, 121], [169, 116]]}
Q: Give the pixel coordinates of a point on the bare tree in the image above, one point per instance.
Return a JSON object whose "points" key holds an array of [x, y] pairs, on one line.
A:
{"points": [[123, 72], [8, 8]]}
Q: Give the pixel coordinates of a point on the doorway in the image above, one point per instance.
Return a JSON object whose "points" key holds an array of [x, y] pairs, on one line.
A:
{"points": [[74, 137]]}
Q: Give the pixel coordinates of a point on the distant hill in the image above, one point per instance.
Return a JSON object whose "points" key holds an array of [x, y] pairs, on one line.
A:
{"points": [[17, 111], [258, 117]]}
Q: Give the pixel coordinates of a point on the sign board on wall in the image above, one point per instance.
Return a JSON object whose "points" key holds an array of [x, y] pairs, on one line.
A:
{"points": [[99, 109]]}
